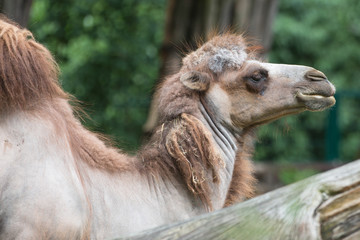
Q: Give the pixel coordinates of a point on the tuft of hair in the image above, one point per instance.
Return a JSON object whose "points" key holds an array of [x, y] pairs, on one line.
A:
{"points": [[28, 72], [183, 149], [226, 51], [189, 144]]}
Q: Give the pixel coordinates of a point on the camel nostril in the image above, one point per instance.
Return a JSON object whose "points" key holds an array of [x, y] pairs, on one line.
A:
{"points": [[315, 75]]}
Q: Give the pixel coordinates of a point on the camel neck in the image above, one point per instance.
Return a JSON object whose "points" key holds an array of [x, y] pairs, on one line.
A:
{"points": [[228, 148], [222, 136]]}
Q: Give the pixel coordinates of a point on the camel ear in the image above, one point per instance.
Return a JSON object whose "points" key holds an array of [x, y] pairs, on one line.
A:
{"points": [[195, 80]]}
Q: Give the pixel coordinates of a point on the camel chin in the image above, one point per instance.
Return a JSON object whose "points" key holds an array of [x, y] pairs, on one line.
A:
{"points": [[316, 102]]}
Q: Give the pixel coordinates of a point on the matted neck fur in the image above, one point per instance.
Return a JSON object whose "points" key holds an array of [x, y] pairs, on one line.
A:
{"points": [[60, 181]]}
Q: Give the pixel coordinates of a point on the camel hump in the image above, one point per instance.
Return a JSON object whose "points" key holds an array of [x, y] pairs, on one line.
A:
{"points": [[28, 72]]}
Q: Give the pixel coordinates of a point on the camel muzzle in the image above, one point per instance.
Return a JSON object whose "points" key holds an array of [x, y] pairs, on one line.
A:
{"points": [[319, 92]]}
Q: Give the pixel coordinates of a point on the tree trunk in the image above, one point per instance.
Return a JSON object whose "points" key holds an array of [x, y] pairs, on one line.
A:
{"points": [[187, 21], [16, 10], [325, 206]]}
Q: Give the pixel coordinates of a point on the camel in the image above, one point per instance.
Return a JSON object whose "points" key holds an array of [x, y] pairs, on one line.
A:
{"points": [[60, 181]]}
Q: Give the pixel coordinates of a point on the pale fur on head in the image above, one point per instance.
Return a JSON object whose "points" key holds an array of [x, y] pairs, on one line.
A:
{"points": [[219, 54]]}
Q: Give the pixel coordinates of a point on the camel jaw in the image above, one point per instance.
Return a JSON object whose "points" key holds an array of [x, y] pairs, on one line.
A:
{"points": [[316, 102]]}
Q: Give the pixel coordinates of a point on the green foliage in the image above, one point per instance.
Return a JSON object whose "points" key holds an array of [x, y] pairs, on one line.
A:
{"points": [[324, 34], [108, 54]]}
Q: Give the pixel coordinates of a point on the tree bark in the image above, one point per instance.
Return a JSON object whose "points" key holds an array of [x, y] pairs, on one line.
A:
{"points": [[188, 21], [325, 206], [16, 10]]}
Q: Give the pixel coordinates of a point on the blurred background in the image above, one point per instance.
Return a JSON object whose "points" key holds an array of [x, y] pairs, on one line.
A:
{"points": [[113, 53]]}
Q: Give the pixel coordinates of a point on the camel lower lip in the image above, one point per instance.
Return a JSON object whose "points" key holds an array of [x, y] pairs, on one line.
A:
{"points": [[313, 96], [315, 102]]}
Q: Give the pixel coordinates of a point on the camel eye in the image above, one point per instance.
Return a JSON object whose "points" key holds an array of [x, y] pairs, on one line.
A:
{"points": [[258, 76], [257, 81]]}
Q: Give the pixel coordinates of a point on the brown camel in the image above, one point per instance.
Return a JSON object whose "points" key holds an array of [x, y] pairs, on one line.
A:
{"points": [[60, 181]]}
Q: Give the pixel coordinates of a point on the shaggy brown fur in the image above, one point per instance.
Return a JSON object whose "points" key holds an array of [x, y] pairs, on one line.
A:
{"points": [[183, 148], [28, 71], [29, 81]]}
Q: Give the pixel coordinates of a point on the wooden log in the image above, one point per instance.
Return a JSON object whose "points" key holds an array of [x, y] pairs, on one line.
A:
{"points": [[324, 206]]}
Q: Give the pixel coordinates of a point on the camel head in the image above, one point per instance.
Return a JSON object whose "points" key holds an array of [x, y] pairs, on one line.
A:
{"points": [[244, 92]]}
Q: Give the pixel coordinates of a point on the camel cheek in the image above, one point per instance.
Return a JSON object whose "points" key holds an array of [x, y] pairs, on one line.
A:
{"points": [[220, 101]]}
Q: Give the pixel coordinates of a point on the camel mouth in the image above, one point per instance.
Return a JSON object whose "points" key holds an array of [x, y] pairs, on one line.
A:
{"points": [[316, 102]]}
